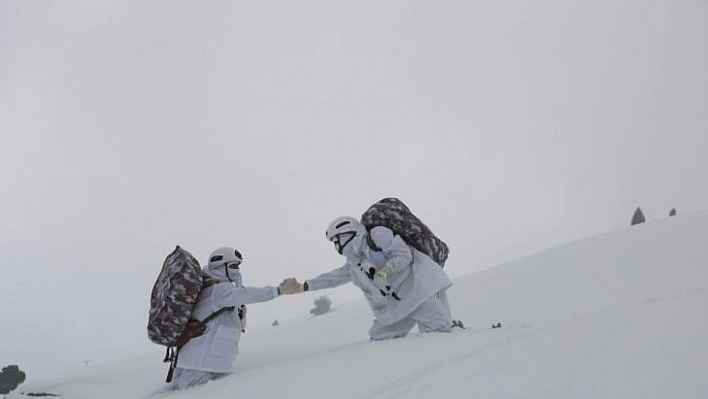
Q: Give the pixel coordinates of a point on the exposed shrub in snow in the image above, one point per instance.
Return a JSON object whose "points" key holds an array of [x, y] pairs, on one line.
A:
{"points": [[322, 305], [672, 212], [10, 378]]}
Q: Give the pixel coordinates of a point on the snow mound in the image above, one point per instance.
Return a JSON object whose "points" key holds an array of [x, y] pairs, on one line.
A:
{"points": [[614, 316]]}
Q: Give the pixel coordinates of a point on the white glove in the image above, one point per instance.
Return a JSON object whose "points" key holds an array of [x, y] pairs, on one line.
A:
{"points": [[380, 279], [367, 268], [290, 286]]}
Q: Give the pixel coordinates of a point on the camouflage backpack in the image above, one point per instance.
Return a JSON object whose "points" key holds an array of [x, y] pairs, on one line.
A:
{"points": [[173, 297], [394, 214]]}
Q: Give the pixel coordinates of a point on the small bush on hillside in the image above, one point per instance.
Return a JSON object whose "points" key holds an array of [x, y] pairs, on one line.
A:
{"points": [[10, 378], [322, 305]]}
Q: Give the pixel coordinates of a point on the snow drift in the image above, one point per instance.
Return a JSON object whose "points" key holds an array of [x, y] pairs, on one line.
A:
{"points": [[614, 316]]}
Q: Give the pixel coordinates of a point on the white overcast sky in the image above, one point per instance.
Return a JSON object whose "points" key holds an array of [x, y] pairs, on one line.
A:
{"points": [[128, 127]]}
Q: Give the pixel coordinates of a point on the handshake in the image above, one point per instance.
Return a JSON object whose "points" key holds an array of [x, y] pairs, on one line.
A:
{"points": [[291, 286]]}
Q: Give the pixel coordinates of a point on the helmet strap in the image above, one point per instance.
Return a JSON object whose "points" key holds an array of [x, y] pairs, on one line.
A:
{"points": [[338, 240], [226, 270]]}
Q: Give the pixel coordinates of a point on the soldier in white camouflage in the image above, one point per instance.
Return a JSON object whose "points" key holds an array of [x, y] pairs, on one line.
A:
{"points": [[403, 286], [211, 354]]}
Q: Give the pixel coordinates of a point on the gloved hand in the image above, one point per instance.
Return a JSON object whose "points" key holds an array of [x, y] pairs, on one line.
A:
{"points": [[367, 268], [380, 279], [290, 286]]}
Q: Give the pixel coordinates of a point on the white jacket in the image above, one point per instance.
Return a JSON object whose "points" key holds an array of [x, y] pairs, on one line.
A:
{"points": [[216, 350], [415, 276]]}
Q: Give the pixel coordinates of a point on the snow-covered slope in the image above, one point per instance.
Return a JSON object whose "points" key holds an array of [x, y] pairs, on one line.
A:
{"points": [[615, 316]]}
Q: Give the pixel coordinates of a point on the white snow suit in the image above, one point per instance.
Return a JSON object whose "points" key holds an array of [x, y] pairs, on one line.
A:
{"points": [[419, 282], [211, 355]]}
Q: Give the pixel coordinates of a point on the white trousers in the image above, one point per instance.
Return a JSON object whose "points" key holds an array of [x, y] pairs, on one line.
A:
{"points": [[432, 316]]}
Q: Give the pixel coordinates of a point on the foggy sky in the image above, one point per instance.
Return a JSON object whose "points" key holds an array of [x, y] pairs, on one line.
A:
{"points": [[509, 127]]}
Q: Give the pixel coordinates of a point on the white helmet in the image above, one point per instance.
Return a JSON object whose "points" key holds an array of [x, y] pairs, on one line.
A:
{"points": [[344, 224], [224, 256], [341, 231]]}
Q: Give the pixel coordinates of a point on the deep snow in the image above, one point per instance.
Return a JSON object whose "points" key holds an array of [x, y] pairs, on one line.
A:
{"points": [[621, 315]]}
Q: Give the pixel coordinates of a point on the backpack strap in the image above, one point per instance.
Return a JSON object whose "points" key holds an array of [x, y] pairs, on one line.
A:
{"points": [[217, 313], [371, 243], [193, 329], [208, 282], [171, 357]]}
